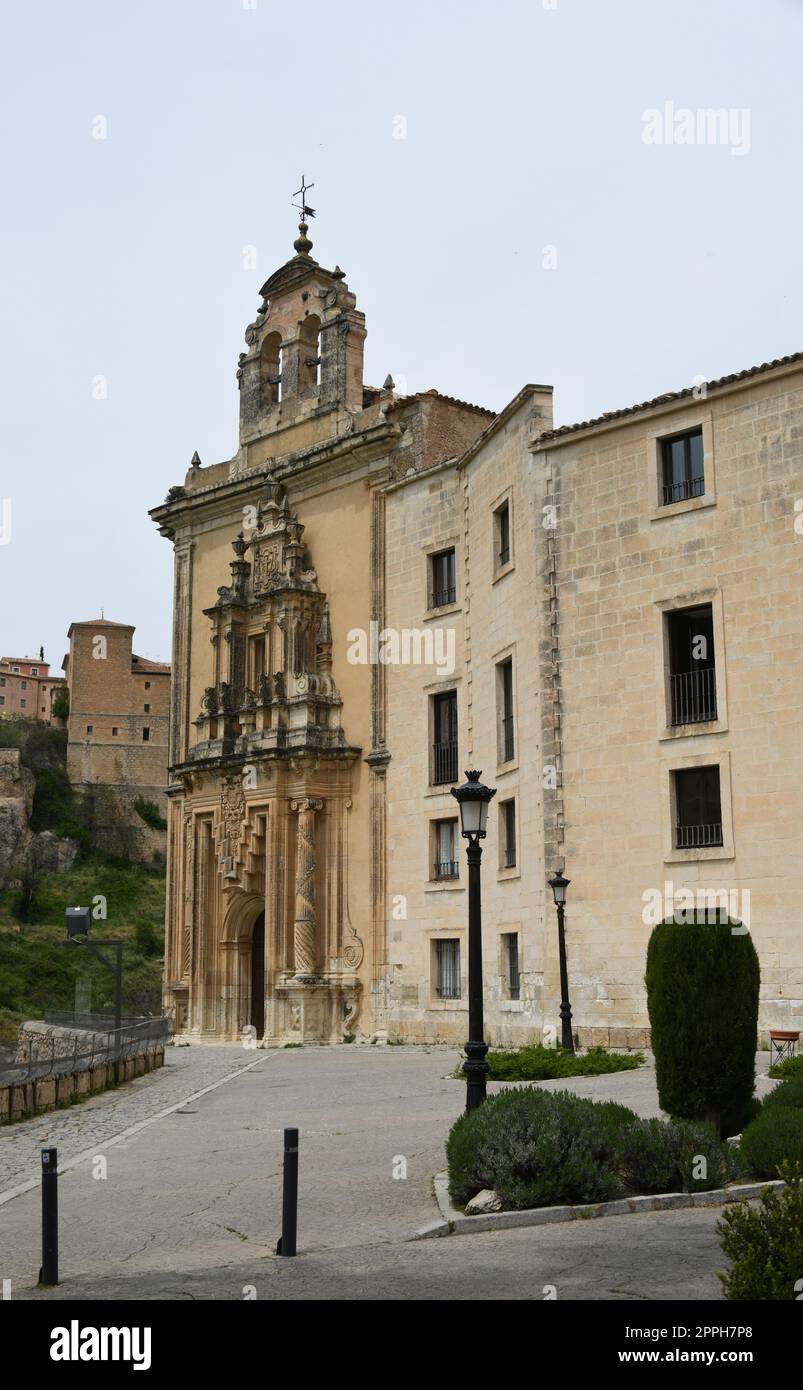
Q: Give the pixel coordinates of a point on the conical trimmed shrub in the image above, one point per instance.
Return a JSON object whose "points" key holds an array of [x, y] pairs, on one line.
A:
{"points": [[702, 997]]}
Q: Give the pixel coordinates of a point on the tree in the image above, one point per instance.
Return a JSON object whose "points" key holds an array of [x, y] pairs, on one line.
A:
{"points": [[702, 997]]}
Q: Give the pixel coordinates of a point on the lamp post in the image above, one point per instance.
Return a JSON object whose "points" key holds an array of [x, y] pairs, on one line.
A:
{"points": [[559, 884], [473, 799]]}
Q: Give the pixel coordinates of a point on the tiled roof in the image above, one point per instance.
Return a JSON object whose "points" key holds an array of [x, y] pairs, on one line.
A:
{"points": [[143, 664], [669, 396], [451, 400]]}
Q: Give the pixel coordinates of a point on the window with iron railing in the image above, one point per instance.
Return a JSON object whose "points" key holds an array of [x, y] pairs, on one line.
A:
{"points": [[507, 810], [444, 742], [692, 667], [443, 589], [446, 865], [698, 808], [510, 952], [447, 958], [502, 535], [504, 695], [682, 474]]}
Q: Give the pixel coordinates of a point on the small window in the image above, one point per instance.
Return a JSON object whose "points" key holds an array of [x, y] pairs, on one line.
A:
{"points": [[147, 709], [444, 741], [442, 579], [147, 685], [43, 709], [23, 685], [446, 864], [114, 732], [15, 669], [507, 810], [2, 680], [510, 964], [146, 734], [90, 728], [507, 733], [698, 808], [34, 670], [502, 535], [447, 956], [2, 699], [683, 475]]}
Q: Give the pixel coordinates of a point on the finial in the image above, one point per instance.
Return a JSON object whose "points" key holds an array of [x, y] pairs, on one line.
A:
{"points": [[240, 545], [195, 461], [388, 384], [302, 243]]}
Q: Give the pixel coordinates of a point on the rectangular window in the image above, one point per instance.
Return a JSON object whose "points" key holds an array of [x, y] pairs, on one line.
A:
{"points": [[502, 535], [90, 728], [507, 811], [682, 458], [444, 738], [2, 680], [446, 860], [147, 709], [256, 660], [147, 685], [442, 579], [692, 669], [698, 808], [146, 734], [447, 955], [2, 699], [34, 670], [23, 704], [510, 958], [114, 733], [504, 694], [23, 685]]}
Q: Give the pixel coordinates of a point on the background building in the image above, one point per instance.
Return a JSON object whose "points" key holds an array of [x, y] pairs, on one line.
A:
{"points": [[117, 733], [27, 689]]}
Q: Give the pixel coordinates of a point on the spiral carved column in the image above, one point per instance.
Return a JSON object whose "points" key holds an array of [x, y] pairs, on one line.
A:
{"points": [[304, 926]]}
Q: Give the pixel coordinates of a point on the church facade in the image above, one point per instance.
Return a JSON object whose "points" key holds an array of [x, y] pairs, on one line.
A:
{"points": [[378, 591]]}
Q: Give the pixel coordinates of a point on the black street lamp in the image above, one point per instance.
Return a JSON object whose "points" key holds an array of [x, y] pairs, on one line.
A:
{"points": [[559, 884], [473, 799]]}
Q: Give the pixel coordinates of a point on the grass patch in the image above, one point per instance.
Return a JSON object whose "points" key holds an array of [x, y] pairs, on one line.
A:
{"points": [[539, 1063], [38, 971]]}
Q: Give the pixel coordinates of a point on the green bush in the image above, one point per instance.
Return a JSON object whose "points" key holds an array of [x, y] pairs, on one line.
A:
{"points": [[773, 1138], [661, 1156], [61, 703], [789, 1093], [790, 1066], [702, 997], [150, 813], [535, 1148], [539, 1063], [765, 1244]]}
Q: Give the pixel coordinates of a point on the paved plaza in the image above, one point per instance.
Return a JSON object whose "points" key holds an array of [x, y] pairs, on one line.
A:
{"points": [[190, 1205]]}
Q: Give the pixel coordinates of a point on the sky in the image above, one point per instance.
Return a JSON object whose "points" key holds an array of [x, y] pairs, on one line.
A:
{"points": [[517, 192]]}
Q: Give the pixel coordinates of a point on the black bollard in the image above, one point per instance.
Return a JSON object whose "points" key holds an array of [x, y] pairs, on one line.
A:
{"points": [[287, 1240], [49, 1273]]}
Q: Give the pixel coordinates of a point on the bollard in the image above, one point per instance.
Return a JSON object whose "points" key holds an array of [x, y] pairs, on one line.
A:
{"points": [[49, 1273], [287, 1240]]}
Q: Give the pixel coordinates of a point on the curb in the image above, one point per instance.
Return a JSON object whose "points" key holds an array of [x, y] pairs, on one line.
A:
{"points": [[454, 1222]]}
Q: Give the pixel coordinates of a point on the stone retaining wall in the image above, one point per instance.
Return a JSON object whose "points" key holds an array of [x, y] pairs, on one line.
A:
{"points": [[19, 1100]]}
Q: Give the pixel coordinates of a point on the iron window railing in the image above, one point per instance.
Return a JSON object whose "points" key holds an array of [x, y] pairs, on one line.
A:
{"points": [[508, 738], [446, 868], [448, 958], [694, 696], [510, 858], [682, 490], [444, 763], [441, 597], [513, 978], [698, 836]]}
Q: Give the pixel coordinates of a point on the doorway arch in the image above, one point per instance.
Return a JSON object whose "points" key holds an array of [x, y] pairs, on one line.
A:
{"points": [[257, 1018]]}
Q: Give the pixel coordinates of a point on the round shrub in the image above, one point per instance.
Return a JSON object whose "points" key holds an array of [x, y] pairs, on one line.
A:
{"points": [[788, 1093], [773, 1138], [535, 1148], [673, 1156], [764, 1244], [702, 996]]}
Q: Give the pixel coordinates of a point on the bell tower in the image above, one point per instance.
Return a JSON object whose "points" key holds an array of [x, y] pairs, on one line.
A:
{"points": [[305, 346]]}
